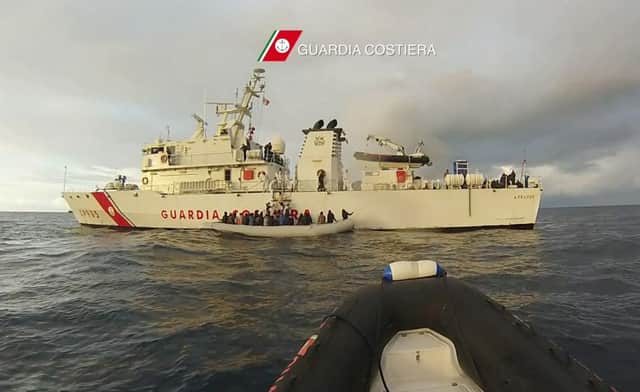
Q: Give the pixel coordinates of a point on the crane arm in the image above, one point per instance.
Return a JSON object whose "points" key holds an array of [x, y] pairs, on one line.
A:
{"points": [[385, 142]]}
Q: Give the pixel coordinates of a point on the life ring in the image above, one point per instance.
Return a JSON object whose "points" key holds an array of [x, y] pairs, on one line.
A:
{"points": [[145, 180], [262, 175], [164, 158]]}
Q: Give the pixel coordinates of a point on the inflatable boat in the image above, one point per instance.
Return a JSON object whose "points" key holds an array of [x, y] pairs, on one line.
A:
{"points": [[416, 159], [285, 231], [422, 331]]}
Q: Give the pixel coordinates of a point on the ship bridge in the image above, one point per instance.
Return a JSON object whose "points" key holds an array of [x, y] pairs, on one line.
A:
{"points": [[229, 161]]}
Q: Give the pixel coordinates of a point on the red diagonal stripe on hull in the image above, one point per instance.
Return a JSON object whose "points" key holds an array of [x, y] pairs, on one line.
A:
{"points": [[110, 209], [118, 210]]}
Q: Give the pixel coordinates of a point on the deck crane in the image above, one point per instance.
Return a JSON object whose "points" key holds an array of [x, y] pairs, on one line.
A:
{"points": [[386, 142]]}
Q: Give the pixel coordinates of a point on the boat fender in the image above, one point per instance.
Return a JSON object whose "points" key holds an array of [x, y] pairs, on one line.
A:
{"points": [[145, 180], [403, 270]]}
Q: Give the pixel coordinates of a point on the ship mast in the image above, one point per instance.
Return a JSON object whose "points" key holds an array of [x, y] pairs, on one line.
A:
{"points": [[234, 127]]}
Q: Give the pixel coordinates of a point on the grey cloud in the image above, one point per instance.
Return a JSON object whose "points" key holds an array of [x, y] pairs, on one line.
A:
{"points": [[90, 83]]}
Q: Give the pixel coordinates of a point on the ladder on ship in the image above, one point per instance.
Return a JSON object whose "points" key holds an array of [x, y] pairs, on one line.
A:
{"points": [[281, 196]]}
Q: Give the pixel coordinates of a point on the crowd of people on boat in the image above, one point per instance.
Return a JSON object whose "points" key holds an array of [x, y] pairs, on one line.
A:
{"points": [[280, 217]]}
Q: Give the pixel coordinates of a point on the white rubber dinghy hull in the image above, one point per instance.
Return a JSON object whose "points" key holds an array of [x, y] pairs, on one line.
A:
{"points": [[422, 360], [285, 231]]}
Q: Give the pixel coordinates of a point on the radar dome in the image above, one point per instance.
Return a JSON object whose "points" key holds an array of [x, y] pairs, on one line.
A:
{"points": [[278, 145]]}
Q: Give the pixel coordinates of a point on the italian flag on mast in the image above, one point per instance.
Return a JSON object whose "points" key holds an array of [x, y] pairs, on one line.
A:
{"points": [[279, 45]]}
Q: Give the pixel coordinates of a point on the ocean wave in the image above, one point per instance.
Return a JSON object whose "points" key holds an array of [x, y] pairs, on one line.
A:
{"points": [[97, 309]]}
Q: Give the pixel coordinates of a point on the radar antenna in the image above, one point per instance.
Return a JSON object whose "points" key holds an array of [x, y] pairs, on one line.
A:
{"points": [[234, 126]]}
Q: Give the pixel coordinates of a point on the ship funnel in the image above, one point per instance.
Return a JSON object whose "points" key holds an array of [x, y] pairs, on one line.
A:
{"points": [[319, 124], [332, 124]]}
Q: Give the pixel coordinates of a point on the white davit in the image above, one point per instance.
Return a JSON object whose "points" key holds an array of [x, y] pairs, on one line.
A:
{"points": [[285, 231]]}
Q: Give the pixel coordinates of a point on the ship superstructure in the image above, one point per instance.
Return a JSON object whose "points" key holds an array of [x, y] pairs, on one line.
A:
{"points": [[228, 161], [320, 161], [189, 183]]}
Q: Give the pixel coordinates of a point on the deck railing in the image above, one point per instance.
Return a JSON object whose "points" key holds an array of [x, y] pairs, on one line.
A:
{"points": [[221, 186], [224, 157]]}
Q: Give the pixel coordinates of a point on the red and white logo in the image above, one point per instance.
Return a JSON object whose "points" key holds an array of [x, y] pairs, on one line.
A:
{"points": [[280, 45]]}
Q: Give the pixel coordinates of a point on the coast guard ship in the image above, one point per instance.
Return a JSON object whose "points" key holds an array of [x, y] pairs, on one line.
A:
{"points": [[191, 183]]}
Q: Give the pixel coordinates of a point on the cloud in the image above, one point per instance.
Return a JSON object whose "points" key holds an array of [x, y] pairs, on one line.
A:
{"points": [[87, 86], [604, 174]]}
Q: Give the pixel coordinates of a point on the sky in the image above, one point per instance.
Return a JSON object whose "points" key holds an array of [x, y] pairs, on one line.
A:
{"points": [[86, 84]]}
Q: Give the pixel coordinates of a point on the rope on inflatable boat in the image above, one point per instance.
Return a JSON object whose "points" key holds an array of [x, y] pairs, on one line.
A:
{"points": [[379, 354], [357, 330]]}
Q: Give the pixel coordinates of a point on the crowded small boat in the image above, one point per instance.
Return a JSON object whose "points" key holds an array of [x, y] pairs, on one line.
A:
{"points": [[281, 221], [280, 215], [285, 231]]}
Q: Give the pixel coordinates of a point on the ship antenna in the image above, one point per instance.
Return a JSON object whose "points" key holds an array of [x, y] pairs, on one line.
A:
{"points": [[64, 181], [168, 132], [524, 165], [204, 111], [233, 114]]}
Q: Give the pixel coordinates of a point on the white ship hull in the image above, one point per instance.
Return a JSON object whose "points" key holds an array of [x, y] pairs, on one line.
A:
{"points": [[380, 210]]}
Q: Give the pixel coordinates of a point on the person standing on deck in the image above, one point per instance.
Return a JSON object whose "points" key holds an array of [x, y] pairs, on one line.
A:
{"points": [[244, 149], [267, 151]]}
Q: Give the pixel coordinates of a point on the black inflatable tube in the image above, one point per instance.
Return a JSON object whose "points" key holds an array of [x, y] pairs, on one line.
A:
{"points": [[363, 156], [496, 349]]}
